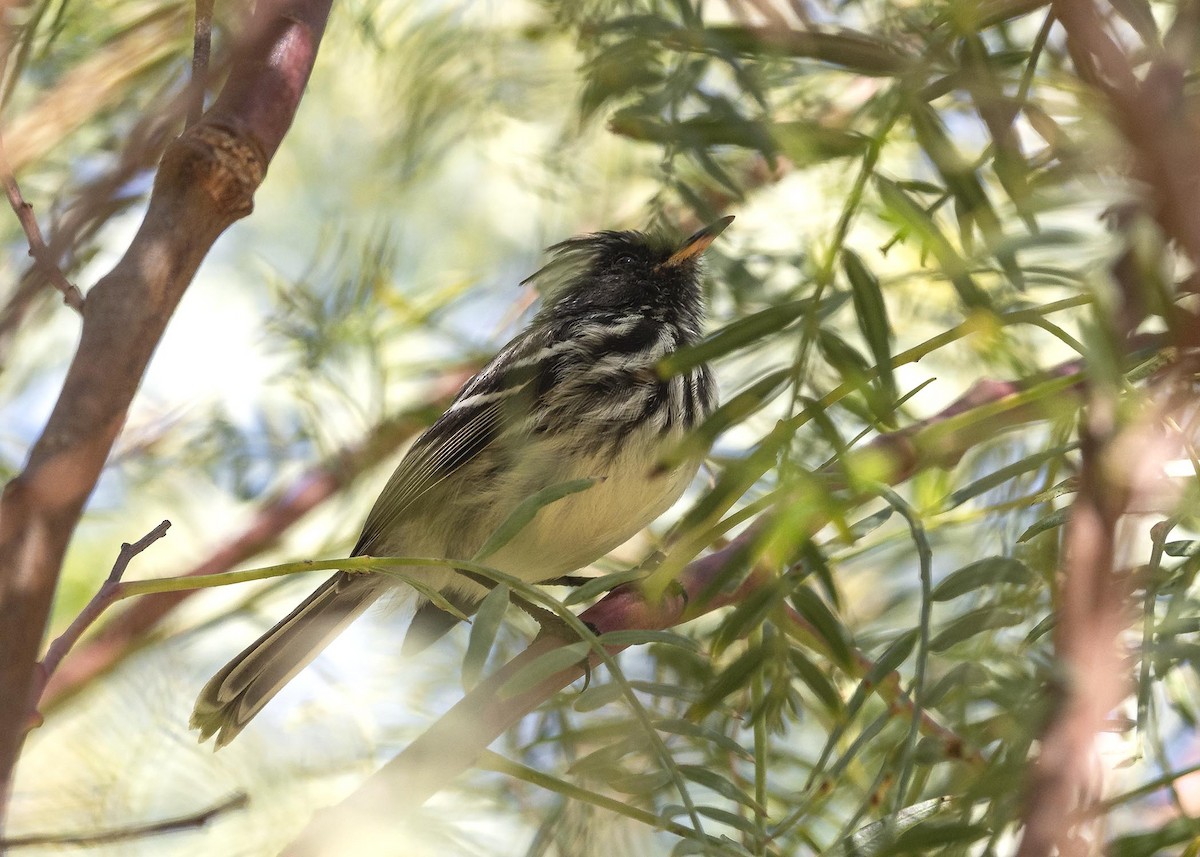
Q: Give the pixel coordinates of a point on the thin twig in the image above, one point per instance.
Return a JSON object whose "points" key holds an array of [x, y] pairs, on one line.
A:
{"points": [[41, 254], [273, 518], [201, 49], [122, 834], [105, 596]]}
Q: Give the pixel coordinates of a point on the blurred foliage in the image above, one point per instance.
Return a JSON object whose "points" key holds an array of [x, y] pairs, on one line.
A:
{"points": [[919, 190]]}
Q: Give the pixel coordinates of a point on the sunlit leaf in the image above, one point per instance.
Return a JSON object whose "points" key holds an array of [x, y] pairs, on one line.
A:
{"points": [[543, 667], [871, 313], [484, 627]]}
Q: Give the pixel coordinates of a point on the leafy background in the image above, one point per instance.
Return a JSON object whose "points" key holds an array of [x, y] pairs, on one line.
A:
{"points": [[927, 176]]}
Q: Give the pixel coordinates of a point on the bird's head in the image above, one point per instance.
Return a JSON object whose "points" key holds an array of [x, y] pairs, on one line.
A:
{"points": [[624, 271]]}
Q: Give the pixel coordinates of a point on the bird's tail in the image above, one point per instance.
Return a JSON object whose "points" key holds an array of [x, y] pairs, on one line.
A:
{"points": [[240, 690]]}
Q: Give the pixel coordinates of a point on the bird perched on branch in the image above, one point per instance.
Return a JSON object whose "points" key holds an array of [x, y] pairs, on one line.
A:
{"points": [[576, 395]]}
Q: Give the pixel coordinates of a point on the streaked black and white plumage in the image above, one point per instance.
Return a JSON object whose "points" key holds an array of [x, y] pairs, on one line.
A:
{"points": [[575, 395]]}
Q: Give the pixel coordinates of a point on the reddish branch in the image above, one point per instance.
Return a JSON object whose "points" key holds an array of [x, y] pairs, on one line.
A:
{"points": [[1154, 113], [1157, 120], [205, 182], [201, 48], [1117, 473]]}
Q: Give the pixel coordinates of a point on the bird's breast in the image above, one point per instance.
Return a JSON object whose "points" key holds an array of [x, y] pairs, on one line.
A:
{"points": [[630, 490]]}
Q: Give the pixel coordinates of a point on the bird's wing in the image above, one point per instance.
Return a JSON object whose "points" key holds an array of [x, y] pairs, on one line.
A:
{"points": [[485, 411]]}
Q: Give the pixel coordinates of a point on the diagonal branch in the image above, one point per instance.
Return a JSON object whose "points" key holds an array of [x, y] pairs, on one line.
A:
{"points": [[205, 182], [124, 834], [41, 254]]}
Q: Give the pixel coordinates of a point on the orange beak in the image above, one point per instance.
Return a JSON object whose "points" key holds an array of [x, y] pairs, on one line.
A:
{"points": [[698, 243]]}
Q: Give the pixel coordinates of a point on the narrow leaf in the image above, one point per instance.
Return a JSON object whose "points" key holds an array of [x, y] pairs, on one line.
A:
{"points": [[871, 312], [985, 572], [713, 781], [825, 623], [1055, 519], [525, 512], [738, 334], [484, 627], [551, 663], [973, 623], [816, 681], [602, 584], [734, 676]]}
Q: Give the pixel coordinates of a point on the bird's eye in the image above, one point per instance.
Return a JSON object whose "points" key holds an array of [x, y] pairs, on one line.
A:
{"points": [[625, 260]]}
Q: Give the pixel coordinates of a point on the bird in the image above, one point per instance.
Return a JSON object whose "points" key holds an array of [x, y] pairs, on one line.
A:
{"points": [[576, 395]]}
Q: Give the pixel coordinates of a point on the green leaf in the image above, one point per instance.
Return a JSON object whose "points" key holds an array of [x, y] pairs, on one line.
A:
{"points": [[1041, 628], [713, 781], [804, 140], [1174, 832], [631, 65], [525, 512], [1055, 519], [871, 312], [1182, 548], [861, 53], [639, 784], [679, 726], [892, 657], [484, 627], [603, 761], [598, 696], [738, 334], [747, 616], [639, 637], [999, 477], [924, 838], [922, 225], [816, 681], [542, 667], [867, 841], [724, 816], [828, 627], [734, 676], [986, 572], [604, 583], [975, 622], [870, 523]]}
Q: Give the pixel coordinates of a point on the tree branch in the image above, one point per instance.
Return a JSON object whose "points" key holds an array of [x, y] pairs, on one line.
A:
{"points": [[205, 182], [1094, 608], [124, 834], [41, 254], [100, 602]]}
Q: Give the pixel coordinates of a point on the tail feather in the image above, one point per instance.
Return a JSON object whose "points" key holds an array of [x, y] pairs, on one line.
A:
{"points": [[239, 691]]}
